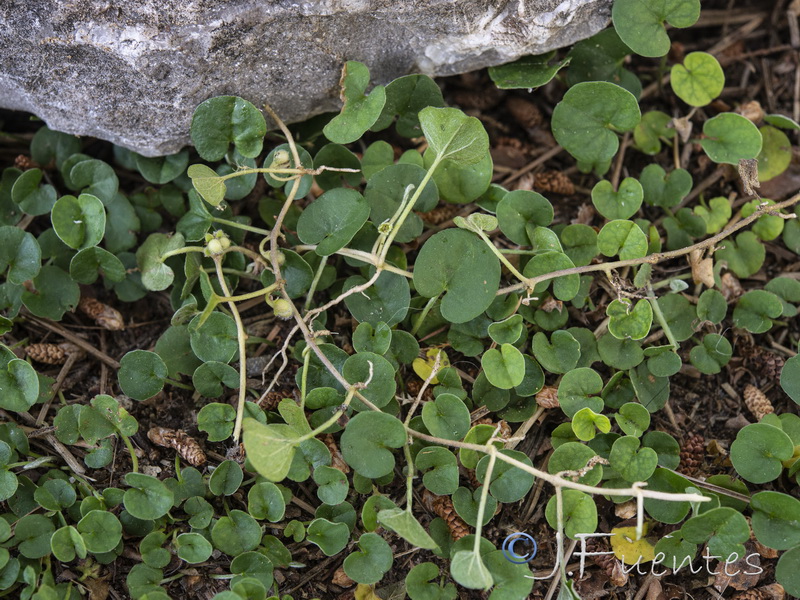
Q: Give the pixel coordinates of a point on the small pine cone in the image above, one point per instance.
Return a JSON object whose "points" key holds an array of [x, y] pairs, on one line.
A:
{"points": [[273, 398], [555, 182], [51, 354], [341, 579], [337, 461], [23, 163], [478, 99], [185, 445], [525, 112], [440, 214], [102, 314], [768, 364], [548, 397], [756, 402], [609, 563], [692, 455], [773, 591], [442, 506]]}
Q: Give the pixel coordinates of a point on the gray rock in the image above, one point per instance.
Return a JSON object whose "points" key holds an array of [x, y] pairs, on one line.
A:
{"points": [[133, 72]]}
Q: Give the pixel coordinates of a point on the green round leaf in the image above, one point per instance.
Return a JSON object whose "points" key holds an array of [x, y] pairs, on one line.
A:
{"points": [[630, 461], [633, 419], [216, 420], [730, 138], [447, 417], [214, 340], [20, 254], [623, 238], [236, 533], [329, 536], [19, 383], [776, 519], [405, 98], [224, 119], [504, 368], [141, 374], [776, 153], [665, 189], [367, 440], [265, 501], [332, 484], [332, 220], [790, 378], [629, 321], [381, 388], [226, 479], [560, 354], [586, 120], [459, 264], [580, 513], [209, 377], [441, 469], [67, 543], [359, 111], [509, 483], [148, 498], [193, 548], [787, 571], [713, 354], [744, 256], [578, 389], [572, 456], [520, 211], [31, 198], [527, 72], [453, 135], [698, 80], [100, 530], [86, 264], [755, 310], [758, 450], [640, 23], [55, 293], [620, 204]]}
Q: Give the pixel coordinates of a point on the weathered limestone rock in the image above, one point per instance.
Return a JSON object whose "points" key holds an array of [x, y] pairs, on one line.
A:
{"points": [[133, 72]]}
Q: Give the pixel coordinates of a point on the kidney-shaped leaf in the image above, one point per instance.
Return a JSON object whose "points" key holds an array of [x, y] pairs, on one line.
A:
{"points": [[367, 442], [758, 450], [359, 112], [332, 220], [224, 119], [453, 135], [640, 23], [586, 120], [458, 263], [79, 222], [730, 138]]}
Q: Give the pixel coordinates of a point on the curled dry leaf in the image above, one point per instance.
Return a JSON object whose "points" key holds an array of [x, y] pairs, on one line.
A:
{"points": [[185, 445], [341, 579], [752, 110], [525, 112], [702, 268], [337, 460], [731, 288], [773, 591], [104, 315], [748, 172]]}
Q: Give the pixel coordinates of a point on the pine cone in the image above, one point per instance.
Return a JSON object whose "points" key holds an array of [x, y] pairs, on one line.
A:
{"points": [[51, 354], [756, 402], [692, 455], [185, 445], [273, 398], [553, 181], [773, 591], [337, 461], [609, 563], [472, 477], [102, 314], [767, 364], [442, 506], [547, 397], [23, 163], [440, 214], [525, 112]]}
